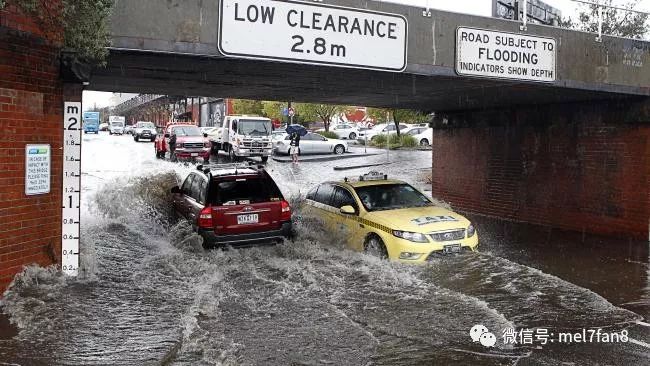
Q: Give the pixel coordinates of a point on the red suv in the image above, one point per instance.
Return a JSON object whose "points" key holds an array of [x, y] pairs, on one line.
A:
{"points": [[233, 204]]}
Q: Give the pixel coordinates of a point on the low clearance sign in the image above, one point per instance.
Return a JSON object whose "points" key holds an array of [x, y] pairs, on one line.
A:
{"points": [[313, 33], [485, 53]]}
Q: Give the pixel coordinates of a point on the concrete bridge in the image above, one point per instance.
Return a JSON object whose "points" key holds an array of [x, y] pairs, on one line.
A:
{"points": [[172, 47], [567, 144]]}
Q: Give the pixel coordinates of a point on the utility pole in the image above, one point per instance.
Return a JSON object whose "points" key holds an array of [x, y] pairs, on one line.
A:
{"points": [[290, 114]]}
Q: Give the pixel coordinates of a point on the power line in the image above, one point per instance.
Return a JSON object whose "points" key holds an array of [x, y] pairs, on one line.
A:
{"points": [[611, 6]]}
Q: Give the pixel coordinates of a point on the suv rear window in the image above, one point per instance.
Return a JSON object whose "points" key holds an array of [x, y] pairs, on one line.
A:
{"points": [[244, 190]]}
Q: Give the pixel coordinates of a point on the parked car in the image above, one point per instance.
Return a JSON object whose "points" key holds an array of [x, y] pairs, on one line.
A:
{"points": [[425, 138], [277, 136], [381, 129], [413, 130], [128, 129], [191, 144], [313, 143], [103, 126], [343, 131], [144, 131], [233, 205], [390, 219]]}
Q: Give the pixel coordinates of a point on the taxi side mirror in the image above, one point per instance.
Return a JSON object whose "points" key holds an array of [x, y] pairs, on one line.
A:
{"points": [[176, 189], [347, 210]]}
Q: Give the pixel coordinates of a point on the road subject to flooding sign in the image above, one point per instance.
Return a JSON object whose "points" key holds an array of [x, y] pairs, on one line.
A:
{"points": [[313, 34], [486, 53]]}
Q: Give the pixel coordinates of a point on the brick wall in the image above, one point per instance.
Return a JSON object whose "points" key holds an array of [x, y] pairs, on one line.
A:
{"points": [[30, 113], [570, 167]]}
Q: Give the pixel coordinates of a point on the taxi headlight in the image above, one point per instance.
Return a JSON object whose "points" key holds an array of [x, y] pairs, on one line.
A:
{"points": [[471, 231], [407, 235]]}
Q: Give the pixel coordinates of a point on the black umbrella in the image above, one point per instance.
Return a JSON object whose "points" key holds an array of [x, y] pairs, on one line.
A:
{"points": [[299, 129]]}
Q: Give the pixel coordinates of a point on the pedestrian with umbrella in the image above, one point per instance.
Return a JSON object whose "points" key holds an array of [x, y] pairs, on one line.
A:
{"points": [[295, 132]]}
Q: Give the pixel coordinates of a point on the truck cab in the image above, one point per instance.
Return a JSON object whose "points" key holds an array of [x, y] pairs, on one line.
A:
{"points": [[246, 136], [116, 125]]}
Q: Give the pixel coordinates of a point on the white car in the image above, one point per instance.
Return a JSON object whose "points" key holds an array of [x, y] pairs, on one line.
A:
{"points": [[413, 130], [277, 136], [424, 138], [116, 128], [313, 143], [381, 129], [345, 131], [144, 131]]}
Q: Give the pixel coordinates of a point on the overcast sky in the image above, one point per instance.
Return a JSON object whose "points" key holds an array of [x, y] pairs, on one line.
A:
{"points": [[476, 7]]}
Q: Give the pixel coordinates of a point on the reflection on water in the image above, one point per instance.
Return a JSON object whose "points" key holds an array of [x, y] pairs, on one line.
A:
{"points": [[151, 295]]}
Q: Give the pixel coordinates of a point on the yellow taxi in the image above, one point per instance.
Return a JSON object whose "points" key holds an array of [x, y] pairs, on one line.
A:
{"points": [[390, 219]]}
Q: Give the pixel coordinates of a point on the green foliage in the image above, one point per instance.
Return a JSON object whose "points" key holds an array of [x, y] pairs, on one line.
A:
{"points": [[378, 140], [273, 110], [408, 141], [616, 22], [394, 141], [247, 106], [323, 112], [397, 115], [328, 134], [84, 24]]}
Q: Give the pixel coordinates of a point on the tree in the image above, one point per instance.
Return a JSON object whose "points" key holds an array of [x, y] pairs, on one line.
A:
{"points": [[84, 24], [273, 110], [247, 106], [398, 116], [324, 112], [616, 22]]}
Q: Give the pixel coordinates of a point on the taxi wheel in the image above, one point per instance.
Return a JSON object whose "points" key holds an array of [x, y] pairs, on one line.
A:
{"points": [[375, 247]]}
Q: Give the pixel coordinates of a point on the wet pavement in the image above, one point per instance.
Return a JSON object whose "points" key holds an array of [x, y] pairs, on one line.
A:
{"points": [[148, 293]]}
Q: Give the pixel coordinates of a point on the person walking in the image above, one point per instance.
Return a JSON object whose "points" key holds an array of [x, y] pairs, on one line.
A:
{"points": [[295, 147]]}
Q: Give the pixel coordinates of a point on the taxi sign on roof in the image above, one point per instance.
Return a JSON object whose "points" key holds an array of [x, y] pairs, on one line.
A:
{"points": [[313, 33]]}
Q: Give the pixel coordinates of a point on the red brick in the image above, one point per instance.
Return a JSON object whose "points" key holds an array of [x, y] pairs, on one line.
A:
{"points": [[31, 98]]}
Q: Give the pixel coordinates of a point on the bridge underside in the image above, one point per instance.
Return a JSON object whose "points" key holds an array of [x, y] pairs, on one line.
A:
{"points": [[163, 73]]}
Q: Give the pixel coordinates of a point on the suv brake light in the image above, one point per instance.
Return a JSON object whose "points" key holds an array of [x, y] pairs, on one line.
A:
{"points": [[286, 211], [205, 218]]}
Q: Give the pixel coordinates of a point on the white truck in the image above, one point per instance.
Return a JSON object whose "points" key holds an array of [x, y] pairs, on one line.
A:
{"points": [[245, 136], [116, 125]]}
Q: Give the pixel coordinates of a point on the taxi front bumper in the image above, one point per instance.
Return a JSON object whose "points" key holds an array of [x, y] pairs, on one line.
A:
{"points": [[411, 252]]}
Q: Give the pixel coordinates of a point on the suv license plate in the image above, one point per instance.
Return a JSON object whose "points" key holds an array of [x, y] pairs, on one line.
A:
{"points": [[195, 154], [247, 219], [452, 248]]}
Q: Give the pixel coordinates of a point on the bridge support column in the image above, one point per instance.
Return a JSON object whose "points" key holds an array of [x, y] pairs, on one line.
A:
{"points": [[578, 167], [31, 112]]}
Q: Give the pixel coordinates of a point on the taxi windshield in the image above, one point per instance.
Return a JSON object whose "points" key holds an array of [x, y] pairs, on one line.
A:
{"points": [[391, 197]]}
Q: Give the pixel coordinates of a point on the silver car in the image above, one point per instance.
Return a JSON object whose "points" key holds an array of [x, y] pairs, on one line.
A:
{"points": [[313, 143]]}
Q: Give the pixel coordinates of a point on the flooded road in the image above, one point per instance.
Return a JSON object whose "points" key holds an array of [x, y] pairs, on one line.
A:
{"points": [[150, 295]]}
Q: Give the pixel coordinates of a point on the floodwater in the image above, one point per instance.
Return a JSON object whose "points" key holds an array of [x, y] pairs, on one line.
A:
{"points": [[149, 295]]}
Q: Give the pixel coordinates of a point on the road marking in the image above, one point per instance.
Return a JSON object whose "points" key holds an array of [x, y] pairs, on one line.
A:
{"points": [[643, 323]]}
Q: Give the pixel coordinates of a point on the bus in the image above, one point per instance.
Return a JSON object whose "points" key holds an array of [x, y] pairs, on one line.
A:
{"points": [[91, 122]]}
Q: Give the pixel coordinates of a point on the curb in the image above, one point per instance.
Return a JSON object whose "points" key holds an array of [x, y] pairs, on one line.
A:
{"points": [[317, 159], [361, 166]]}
